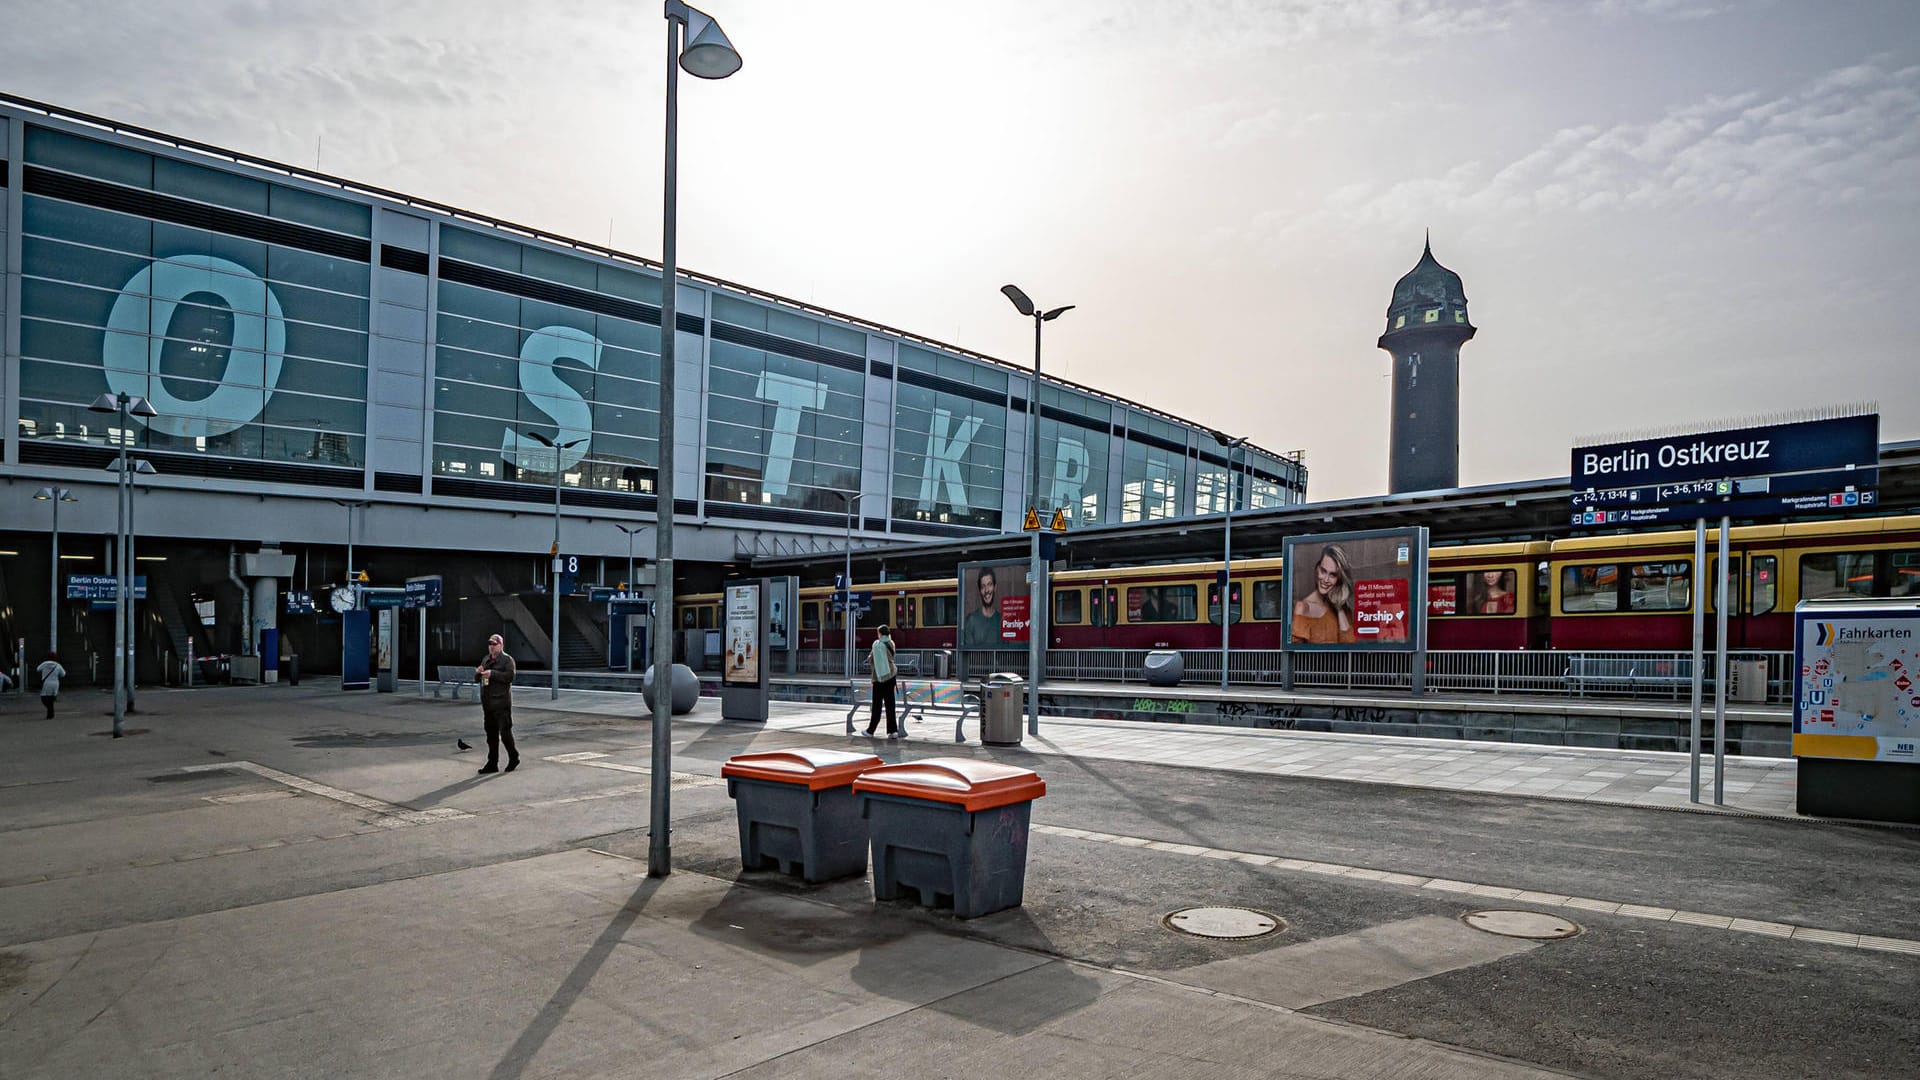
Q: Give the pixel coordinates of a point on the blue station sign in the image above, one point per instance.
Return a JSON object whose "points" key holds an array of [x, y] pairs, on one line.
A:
{"points": [[102, 586], [424, 592], [1769, 470]]}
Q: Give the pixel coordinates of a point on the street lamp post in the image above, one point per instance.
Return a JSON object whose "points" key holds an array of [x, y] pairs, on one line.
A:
{"points": [[846, 608], [707, 55], [630, 530], [1226, 572], [122, 405], [351, 505], [553, 579], [1038, 596], [56, 496]]}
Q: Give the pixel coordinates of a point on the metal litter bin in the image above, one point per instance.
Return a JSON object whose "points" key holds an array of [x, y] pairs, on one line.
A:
{"points": [[797, 812], [1164, 667], [953, 831], [1002, 707], [1749, 681]]}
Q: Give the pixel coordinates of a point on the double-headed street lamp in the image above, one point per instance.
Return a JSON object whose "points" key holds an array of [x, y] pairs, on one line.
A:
{"points": [[1226, 572], [553, 579], [707, 55], [56, 496], [846, 591], [1037, 594], [123, 405]]}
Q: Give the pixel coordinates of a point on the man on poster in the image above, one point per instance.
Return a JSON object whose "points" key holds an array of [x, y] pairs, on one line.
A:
{"points": [[981, 628]]}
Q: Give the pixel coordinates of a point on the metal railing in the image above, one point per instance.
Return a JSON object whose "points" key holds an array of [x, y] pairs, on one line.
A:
{"points": [[1639, 675]]}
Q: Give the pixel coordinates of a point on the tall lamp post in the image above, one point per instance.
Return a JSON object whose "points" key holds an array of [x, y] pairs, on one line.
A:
{"points": [[351, 505], [630, 530], [707, 55], [553, 579], [846, 608], [1226, 572], [123, 405], [136, 468], [56, 496], [1038, 597]]}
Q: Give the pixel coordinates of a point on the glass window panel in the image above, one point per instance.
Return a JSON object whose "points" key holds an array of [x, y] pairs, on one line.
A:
{"points": [[555, 266], [1067, 605], [630, 284], [941, 611], [789, 325], [465, 300], [53, 381], [67, 303], [87, 226], [1660, 586], [326, 343], [476, 247], [1163, 603], [304, 376], [209, 186], [318, 447], [845, 339], [1590, 588], [1764, 584], [174, 240], [316, 270], [287, 409], [1268, 601], [317, 306], [726, 309], [479, 336], [309, 208], [70, 153]]}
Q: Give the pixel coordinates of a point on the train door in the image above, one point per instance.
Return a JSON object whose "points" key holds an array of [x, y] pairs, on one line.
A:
{"points": [[1103, 613]]}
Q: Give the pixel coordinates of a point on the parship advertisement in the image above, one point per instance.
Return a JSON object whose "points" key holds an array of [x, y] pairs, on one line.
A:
{"points": [[1858, 679]]}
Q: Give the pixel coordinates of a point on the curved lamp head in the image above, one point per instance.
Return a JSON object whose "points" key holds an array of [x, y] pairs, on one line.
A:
{"points": [[707, 54], [1056, 313], [1020, 301]]}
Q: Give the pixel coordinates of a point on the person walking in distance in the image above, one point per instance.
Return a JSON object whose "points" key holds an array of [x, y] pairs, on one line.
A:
{"points": [[496, 704], [50, 673], [884, 671]]}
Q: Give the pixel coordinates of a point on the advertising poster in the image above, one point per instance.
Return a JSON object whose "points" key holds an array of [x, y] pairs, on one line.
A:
{"points": [[1356, 591], [994, 605], [778, 604], [740, 660], [1858, 684]]}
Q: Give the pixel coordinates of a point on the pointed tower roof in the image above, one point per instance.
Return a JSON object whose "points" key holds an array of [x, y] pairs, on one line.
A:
{"points": [[1427, 288]]}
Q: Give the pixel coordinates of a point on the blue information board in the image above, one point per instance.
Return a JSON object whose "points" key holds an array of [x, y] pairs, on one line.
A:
{"points": [[102, 586]]}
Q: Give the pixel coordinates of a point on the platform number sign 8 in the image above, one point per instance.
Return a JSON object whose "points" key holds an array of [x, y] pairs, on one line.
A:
{"points": [[566, 569]]}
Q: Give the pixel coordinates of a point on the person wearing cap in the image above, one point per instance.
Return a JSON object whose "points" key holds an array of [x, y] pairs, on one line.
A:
{"points": [[883, 675], [496, 703]]}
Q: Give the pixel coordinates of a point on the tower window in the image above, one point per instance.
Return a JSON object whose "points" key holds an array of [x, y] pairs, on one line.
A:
{"points": [[1460, 316], [1433, 315], [1399, 322]]}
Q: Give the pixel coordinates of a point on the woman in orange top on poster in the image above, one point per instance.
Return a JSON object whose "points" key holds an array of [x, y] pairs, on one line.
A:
{"points": [[1325, 616]]}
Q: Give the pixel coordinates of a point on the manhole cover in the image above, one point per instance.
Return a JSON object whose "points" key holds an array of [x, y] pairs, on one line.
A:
{"points": [[1521, 924], [1223, 922]]}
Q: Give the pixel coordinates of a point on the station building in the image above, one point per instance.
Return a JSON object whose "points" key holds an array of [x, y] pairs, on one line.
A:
{"points": [[335, 366]]}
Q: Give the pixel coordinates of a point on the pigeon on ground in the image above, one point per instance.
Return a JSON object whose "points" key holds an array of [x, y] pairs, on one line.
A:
{"points": [[462, 744]]}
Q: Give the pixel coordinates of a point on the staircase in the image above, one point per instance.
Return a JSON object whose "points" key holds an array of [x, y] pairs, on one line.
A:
{"points": [[164, 602], [511, 609], [583, 641]]}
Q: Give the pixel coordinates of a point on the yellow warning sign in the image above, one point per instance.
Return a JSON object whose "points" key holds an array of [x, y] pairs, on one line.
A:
{"points": [[1032, 523], [1059, 523]]}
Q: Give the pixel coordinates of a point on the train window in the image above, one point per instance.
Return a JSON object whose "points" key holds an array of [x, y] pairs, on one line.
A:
{"points": [[1443, 595], [810, 615], [1764, 584], [1213, 602], [942, 611], [1836, 573], [1268, 601], [1590, 588], [1542, 587], [1660, 586], [1489, 592], [1163, 603], [1904, 579], [1067, 607]]}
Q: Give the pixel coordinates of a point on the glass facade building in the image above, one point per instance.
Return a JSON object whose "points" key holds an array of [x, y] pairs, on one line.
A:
{"points": [[301, 334]]}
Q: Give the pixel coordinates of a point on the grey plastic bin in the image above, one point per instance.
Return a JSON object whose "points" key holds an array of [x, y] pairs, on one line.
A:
{"points": [[797, 812], [949, 832], [1002, 706], [1164, 667]]}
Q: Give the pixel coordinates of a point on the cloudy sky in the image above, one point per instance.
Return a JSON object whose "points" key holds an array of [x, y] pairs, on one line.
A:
{"points": [[1664, 211]]}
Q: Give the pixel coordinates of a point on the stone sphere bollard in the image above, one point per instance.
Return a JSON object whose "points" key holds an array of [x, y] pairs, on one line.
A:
{"points": [[686, 689]]}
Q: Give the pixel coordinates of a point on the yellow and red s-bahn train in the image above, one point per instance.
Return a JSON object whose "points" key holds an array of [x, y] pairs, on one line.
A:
{"points": [[1593, 592]]}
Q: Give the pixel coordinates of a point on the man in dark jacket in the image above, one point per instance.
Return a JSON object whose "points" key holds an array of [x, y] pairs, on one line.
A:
{"points": [[496, 704]]}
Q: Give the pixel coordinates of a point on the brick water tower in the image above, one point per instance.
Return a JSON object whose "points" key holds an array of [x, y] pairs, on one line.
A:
{"points": [[1426, 325]]}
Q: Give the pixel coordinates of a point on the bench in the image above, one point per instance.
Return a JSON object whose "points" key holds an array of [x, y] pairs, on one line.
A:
{"points": [[456, 676], [1627, 673], [907, 663], [922, 697]]}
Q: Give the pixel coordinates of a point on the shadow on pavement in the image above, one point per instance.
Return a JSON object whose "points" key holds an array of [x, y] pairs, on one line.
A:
{"points": [[554, 1012]]}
